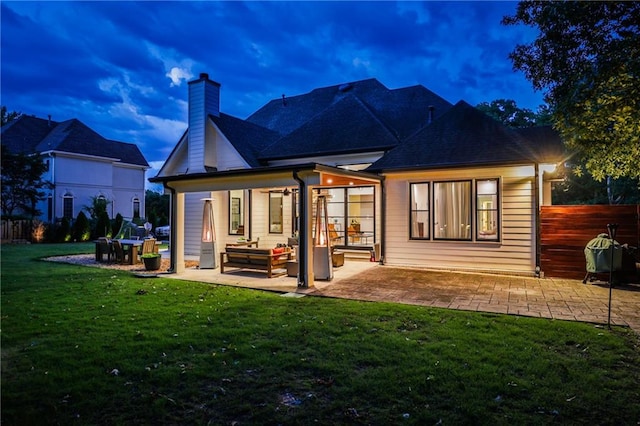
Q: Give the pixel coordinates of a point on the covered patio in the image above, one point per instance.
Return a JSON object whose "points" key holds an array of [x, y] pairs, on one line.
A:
{"points": [[307, 180]]}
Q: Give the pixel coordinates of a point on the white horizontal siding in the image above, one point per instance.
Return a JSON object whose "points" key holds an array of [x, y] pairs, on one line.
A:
{"points": [[514, 252], [193, 206]]}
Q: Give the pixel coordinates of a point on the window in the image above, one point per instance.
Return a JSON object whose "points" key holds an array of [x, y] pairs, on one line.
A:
{"points": [[447, 209], [452, 210], [136, 207], [351, 214], [236, 212], [419, 228], [487, 209], [67, 206], [275, 212]]}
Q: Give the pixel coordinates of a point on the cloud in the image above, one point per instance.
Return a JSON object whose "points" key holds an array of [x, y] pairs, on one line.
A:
{"points": [[123, 76], [178, 75]]}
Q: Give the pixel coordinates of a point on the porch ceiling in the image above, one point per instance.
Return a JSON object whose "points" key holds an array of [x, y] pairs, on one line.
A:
{"points": [[268, 177]]}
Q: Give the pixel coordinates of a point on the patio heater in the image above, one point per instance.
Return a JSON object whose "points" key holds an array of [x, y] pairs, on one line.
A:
{"points": [[208, 243], [322, 264]]}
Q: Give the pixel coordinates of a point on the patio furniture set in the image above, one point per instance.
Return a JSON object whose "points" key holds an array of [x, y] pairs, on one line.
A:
{"points": [[124, 251]]}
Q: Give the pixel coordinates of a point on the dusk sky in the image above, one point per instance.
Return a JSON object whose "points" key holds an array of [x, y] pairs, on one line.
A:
{"points": [[121, 67]]}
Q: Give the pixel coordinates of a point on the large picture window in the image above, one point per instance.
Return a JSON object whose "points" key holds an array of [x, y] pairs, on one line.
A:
{"points": [[275, 212], [419, 227], [351, 214], [452, 210], [236, 212], [487, 209], [466, 210]]}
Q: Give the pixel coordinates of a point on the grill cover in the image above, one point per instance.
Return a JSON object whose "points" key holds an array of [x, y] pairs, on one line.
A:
{"points": [[598, 254]]}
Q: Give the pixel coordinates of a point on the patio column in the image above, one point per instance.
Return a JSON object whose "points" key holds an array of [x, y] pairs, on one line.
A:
{"points": [[178, 241], [305, 237]]}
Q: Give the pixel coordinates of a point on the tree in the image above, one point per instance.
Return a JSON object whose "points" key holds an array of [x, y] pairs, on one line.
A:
{"points": [[7, 117], [157, 208], [586, 59], [508, 113], [22, 183], [98, 205]]}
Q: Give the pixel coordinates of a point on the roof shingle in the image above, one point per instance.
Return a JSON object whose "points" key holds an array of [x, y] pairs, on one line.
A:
{"points": [[31, 134]]}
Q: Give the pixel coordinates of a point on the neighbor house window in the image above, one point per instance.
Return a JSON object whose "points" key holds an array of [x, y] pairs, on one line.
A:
{"points": [[275, 212], [487, 218], [452, 210], [67, 206], [236, 212], [419, 227], [136, 207]]}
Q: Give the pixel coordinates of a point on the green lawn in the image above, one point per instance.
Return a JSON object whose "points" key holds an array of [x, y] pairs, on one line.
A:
{"points": [[85, 345]]}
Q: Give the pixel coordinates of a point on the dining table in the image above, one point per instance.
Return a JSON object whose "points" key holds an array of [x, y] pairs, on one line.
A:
{"points": [[131, 249]]}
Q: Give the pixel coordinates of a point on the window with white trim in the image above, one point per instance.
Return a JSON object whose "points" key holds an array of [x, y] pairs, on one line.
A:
{"points": [[67, 205], [136, 207]]}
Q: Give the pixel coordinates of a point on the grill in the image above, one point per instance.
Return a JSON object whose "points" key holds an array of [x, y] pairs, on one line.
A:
{"points": [[597, 254]]}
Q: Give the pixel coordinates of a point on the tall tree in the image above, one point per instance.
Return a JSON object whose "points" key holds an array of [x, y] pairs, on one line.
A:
{"points": [[508, 113], [7, 117], [586, 60], [22, 183]]}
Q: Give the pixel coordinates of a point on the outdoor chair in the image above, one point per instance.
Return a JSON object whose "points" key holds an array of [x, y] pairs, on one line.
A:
{"points": [[148, 246], [118, 251], [105, 248], [334, 237]]}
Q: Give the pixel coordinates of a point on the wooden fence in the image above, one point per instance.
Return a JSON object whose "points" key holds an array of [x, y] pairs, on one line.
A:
{"points": [[15, 230], [566, 230]]}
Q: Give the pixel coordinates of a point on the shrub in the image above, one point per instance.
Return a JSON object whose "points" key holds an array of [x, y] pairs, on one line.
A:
{"points": [[81, 228], [63, 233], [103, 226]]}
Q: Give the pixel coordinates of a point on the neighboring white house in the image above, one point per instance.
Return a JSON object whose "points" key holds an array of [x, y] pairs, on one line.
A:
{"points": [[419, 181], [81, 164]]}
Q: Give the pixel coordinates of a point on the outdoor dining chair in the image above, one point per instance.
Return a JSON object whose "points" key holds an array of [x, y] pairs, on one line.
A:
{"points": [[148, 246], [118, 251], [105, 248]]}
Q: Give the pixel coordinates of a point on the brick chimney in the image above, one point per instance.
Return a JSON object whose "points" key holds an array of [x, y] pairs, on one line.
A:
{"points": [[204, 100]]}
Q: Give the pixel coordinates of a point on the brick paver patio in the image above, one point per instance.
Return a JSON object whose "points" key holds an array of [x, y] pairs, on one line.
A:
{"points": [[547, 298]]}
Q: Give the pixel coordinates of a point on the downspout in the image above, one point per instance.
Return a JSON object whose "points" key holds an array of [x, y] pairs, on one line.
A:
{"points": [[536, 202], [383, 226], [303, 255], [172, 229], [53, 182], [250, 220]]}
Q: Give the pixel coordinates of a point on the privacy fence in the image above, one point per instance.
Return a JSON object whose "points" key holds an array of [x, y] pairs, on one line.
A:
{"points": [[12, 231], [566, 230]]}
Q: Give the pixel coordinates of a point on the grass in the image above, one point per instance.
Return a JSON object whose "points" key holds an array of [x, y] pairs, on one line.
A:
{"points": [[85, 345]]}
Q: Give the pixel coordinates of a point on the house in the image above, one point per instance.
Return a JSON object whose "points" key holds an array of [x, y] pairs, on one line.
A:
{"points": [[406, 176], [81, 165]]}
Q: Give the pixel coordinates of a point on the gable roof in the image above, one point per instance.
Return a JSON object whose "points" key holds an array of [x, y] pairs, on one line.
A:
{"points": [[246, 137], [31, 134], [465, 136]]}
